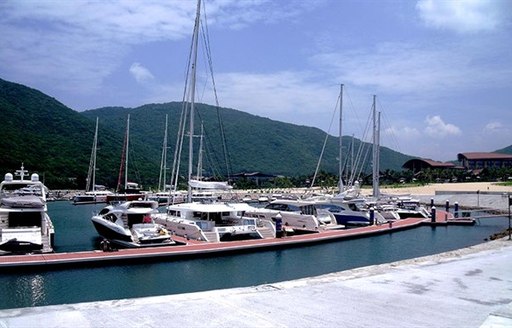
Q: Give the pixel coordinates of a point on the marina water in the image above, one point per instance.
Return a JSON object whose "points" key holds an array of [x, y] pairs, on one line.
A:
{"points": [[75, 232]]}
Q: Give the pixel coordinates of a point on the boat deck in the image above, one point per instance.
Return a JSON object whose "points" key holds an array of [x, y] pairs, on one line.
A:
{"points": [[191, 248]]}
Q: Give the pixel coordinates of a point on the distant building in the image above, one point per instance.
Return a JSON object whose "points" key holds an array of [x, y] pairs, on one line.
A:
{"points": [[472, 161], [257, 177], [418, 164]]}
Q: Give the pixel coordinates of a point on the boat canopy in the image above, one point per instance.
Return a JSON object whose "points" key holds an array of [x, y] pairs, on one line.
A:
{"points": [[219, 185]]}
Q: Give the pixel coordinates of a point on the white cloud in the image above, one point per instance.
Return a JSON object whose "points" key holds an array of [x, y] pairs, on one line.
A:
{"points": [[461, 16], [405, 68], [404, 132], [141, 73], [437, 128], [492, 127]]}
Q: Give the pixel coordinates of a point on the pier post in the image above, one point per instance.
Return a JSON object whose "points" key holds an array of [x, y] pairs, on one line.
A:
{"points": [[433, 215], [431, 202], [456, 210], [279, 225], [447, 206], [372, 216]]}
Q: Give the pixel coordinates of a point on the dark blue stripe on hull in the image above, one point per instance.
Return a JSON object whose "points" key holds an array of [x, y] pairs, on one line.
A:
{"points": [[105, 232]]}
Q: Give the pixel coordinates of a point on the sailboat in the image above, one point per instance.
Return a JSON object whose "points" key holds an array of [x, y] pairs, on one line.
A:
{"points": [[213, 221], [128, 190], [93, 193]]}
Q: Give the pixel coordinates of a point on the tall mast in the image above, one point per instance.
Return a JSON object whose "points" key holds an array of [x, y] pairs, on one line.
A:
{"points": [[375, 159], [200, 155], [340, 164], [124, 159], [92, 167], [195, 38], [163, 163], [126, 156]]}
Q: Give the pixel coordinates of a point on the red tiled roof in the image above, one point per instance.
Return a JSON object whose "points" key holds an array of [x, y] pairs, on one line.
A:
{"points": [[427, 162], [483, 156], [437, 164]]}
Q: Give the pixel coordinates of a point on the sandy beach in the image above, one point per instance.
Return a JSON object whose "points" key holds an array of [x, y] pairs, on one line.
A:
{"points": [[431, 189]]}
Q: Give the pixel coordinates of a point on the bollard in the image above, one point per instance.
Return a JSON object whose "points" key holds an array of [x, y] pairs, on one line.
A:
{"points": [[456, 210], [279, 225], [433, 215], [372, 216]]}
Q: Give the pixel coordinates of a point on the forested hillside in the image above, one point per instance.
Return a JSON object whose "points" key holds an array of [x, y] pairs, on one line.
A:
{"points": [[56, 141]]}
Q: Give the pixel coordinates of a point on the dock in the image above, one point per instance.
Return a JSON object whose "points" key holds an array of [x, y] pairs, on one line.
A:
{"points": [[192, 248]]}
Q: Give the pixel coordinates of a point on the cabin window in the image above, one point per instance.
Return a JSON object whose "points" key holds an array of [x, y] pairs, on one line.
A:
{"points": [[111, 217], [24, 219], [308, 210]]}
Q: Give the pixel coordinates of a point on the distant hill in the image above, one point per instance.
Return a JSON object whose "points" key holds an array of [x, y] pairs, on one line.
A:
{"points": [[254, 143], [506, 150], [55, 141]]}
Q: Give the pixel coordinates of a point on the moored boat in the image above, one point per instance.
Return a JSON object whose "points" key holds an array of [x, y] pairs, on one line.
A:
{"points": [[130, 224], [25, 226], [92, 197], [215, 222], [297, 216]]}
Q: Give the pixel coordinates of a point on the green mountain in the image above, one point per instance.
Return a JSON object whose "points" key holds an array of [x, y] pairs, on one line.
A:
{"points": [[56, 141], [506, 150]]}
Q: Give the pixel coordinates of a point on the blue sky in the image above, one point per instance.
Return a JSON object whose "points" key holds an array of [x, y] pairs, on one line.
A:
{"points": [[441, 70]]}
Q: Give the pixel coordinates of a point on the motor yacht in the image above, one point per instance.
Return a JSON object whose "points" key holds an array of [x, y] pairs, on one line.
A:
{"points": [[25, 226]]}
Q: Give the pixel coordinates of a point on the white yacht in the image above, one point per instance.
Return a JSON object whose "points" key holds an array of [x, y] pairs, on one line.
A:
{"points": [[130, 224], [215, 222], [25, 226], [92, 197], [297, 216]]}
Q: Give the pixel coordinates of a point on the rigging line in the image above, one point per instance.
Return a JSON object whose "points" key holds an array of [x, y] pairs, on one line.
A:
{"points": [[352, 107], [392, 134], [360, 160], [206, 39], [325, 141], [180, 135], [209, 150]]}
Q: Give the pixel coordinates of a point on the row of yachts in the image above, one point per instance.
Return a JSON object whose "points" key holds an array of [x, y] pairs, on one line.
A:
{"points": [[25, 226]]}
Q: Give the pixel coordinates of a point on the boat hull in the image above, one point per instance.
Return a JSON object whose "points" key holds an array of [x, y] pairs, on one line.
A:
{"points": [[351, 220], [105, 231], [20, 246]]}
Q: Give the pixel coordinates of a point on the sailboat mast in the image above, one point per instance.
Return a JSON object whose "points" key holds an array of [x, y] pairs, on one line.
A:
{"points": [[340, 164], [126, 155], [163, 163], [200, 155], [95, 148], [91, 174], [195, 38], [375, 159]]}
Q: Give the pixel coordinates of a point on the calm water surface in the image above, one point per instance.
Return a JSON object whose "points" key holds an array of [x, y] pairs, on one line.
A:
{"points": [[75, 232]]}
